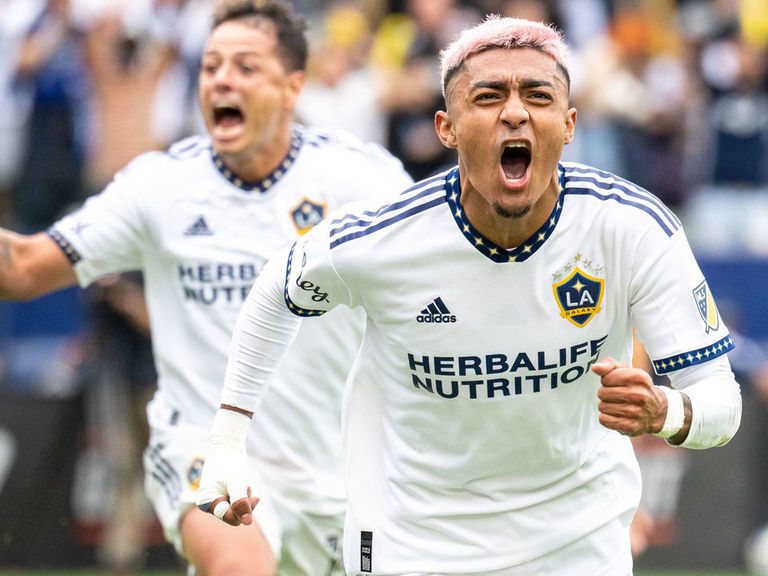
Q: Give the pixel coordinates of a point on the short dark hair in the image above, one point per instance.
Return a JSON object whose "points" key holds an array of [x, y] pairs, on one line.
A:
{"points": [[291, 38]]}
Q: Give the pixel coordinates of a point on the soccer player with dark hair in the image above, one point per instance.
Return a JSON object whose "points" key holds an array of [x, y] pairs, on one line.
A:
{"points": [[200, 221]]}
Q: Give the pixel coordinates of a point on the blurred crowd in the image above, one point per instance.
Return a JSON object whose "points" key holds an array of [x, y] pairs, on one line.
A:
{"points": [[672, 95]]}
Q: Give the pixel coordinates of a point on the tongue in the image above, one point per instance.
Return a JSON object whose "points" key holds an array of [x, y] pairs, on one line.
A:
{"points": [[228, 121], [514, 167]]}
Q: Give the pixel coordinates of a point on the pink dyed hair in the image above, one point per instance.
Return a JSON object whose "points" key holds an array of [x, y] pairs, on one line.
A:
{"points": [[497, 32]]}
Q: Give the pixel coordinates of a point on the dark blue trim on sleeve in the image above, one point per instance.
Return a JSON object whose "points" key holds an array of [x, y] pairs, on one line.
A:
{"points": [[297, 310], [694, 357], [69, 251]]}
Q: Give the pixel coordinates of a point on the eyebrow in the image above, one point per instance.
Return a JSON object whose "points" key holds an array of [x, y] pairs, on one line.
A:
{"points": [[501, 84]]}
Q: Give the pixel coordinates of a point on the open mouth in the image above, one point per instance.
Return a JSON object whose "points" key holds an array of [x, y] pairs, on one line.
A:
{"points": [[227, 118], [515, 160]]}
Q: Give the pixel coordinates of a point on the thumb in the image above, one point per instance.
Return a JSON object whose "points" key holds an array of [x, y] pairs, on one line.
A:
{"points": [[605, 366], [242, 509]]}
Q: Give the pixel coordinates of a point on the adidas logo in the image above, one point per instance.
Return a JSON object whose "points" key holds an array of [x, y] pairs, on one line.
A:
{"points": [[198, 228], [436, 312]]}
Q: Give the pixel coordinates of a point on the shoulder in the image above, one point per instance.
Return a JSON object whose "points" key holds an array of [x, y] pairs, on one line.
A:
{"points": [[363, 219], [174, 163], [629, 203], [340, 143], [183, 151], [190, 147]]}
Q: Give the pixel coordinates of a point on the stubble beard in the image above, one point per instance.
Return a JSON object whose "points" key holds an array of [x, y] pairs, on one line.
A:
{"points": [[510, 214]]}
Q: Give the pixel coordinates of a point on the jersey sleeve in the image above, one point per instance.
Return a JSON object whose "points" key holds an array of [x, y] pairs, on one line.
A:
{"points": [[296, 283], [312, 284], [107, 234], [672, 307], [677, 321]]}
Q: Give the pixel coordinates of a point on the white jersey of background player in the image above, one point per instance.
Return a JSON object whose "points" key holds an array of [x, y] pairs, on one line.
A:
{"points": [[201, 237], [480, 419]]}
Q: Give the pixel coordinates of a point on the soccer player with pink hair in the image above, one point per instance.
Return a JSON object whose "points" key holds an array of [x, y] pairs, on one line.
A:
{"points": [[488, 416]]}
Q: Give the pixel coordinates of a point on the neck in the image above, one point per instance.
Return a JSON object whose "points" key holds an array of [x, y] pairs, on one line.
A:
{"points": [[504, 228], [255, 163]]}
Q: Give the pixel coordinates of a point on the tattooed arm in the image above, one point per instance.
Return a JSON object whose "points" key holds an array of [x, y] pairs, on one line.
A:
{"points": [[32, 266]]}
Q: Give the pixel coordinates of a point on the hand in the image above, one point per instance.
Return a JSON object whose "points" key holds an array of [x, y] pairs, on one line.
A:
{"points": [[238, 513], [224, 471], [628, 400]]}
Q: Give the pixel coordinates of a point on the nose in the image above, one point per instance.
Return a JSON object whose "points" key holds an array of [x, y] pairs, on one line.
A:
{"points": [[514, 113], [223, 75]]}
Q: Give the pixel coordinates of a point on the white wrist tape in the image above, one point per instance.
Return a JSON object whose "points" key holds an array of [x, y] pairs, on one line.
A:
{"points": [[229, 428], [220, 509], [675, 413], [224, 471]]}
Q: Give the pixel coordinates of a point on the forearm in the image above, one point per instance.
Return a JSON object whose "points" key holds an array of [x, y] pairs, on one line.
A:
{"points": [[31, 266], [263, 333], [713, 414]]}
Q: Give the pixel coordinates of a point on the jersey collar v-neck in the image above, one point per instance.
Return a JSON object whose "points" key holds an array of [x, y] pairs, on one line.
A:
{"points": [[489, 248], [264, 185]]}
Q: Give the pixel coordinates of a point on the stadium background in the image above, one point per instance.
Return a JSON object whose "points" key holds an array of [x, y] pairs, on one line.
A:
{"points": [[671, 94]]}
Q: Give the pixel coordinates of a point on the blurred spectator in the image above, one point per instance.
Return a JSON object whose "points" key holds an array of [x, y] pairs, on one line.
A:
{"points": [[342, 89], [734, 71], [405, 50], [728, 154], [18, 16], [634, 77], [126, 63], [51, 65]]}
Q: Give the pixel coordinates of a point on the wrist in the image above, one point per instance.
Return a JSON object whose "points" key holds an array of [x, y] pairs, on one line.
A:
{"points": [[675, 418], [229, 426]]}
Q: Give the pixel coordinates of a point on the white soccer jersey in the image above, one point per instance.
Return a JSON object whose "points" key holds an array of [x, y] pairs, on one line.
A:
{"points": [[470, 419], [201, 237]]}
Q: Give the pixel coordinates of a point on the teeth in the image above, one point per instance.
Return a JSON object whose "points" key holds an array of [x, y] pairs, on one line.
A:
{"points": [[223, 132], [516, 145]]}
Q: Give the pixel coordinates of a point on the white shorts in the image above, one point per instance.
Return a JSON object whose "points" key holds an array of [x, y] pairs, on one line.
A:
{"points": [[173, 463], [312, 544], [587, 556], [305, 543]]}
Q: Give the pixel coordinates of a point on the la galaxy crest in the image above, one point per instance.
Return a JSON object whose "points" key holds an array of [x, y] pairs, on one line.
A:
{"points": [[194, 472], [307, 214], [579, 294], [706, 306]]}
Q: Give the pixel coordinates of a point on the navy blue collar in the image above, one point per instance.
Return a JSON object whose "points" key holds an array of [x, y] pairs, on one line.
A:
{"points": [[485, 246], [265, 184]]}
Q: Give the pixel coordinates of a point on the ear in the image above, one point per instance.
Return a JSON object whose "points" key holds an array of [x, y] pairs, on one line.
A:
{"points": [[444, 129], [570, 125], [294, 86]]}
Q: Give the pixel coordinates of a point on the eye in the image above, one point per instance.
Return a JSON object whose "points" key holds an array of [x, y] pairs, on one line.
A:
{"points": [[486, 96], [541, 96], [249, 66]]}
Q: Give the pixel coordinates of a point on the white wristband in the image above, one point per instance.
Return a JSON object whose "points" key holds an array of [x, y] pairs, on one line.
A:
{"points": [[675, 413]]}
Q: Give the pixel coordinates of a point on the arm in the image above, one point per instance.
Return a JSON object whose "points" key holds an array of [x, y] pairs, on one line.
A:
{"points": [[301, 281], [706, 414], [32, 266], [676, 318], [263, 332]]}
